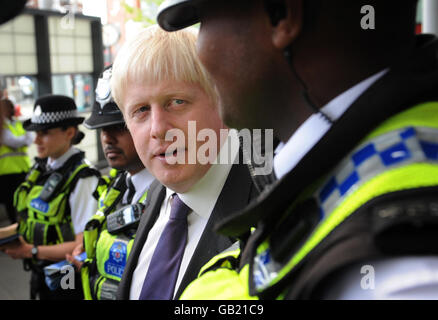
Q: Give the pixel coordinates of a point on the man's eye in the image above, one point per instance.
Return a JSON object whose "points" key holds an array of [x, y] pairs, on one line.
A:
{"points": [[141, 110], [177, 102]]}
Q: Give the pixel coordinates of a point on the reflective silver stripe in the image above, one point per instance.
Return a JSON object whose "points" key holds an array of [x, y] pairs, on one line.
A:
{"points": [[13, 154]]}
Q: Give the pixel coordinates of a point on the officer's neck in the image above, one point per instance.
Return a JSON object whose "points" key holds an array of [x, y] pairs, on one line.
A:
{"points": [[320, 84]]}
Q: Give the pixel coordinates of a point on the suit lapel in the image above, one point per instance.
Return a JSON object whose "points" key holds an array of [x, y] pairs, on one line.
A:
{"points": [[234, 196], [155, 198]]}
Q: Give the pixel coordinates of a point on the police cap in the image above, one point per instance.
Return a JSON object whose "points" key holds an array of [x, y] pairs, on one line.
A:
{"points": [[105, 111], [178, 14]]}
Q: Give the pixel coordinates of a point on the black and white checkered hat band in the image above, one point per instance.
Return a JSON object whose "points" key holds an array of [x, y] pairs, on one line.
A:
{"points": [[54, 117]]}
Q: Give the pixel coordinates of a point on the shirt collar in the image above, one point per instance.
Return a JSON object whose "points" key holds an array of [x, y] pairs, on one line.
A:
{"points": [[59, 162], [141, 180], [202, 197], [315, 127]]}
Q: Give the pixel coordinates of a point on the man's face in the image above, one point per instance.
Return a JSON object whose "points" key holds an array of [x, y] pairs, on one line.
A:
{"points": [[151, 110], [235, 46], [119, 148]]}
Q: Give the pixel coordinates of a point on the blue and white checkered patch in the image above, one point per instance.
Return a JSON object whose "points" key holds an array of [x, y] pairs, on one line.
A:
{"points": [[390, 150]]}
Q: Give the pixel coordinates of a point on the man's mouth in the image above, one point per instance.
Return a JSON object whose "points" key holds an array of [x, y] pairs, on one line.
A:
{"points": [[169, 153], [112, 152]]}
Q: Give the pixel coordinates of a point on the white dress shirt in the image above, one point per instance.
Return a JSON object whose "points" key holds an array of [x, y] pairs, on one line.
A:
{"points": [[82, 203], [141, 181], [394, 278], [201, 199]]}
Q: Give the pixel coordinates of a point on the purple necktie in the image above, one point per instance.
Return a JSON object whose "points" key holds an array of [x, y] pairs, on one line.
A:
{"points": [[160, 280]]}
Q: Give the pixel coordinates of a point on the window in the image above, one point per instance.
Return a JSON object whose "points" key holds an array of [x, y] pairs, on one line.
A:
{"points": [[17, 46], [70, 45]]}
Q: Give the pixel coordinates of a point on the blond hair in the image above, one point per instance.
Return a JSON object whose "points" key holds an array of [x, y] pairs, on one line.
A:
{"points": [[155, 55]]}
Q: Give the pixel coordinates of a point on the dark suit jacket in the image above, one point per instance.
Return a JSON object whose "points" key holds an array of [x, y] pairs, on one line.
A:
{"points": [[237, 192]]}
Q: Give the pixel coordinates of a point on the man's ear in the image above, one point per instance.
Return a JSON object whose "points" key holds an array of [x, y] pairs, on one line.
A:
{"points": [[289, 27]]}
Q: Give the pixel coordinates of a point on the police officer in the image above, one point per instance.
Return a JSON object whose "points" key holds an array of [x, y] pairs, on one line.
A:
{"points": [[107, 249], [57, 197], [358, 168], [14, 162]]}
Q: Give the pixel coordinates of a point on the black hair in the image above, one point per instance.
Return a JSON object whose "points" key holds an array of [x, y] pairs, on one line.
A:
{"points": [[78, 137]]}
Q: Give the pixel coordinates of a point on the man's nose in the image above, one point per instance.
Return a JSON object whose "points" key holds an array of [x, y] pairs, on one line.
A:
{"points": [[159, 123], [108, 137]]}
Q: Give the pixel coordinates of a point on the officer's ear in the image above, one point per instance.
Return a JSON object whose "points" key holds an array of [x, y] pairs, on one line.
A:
{"points": [[287, 20], [70, 132]]}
